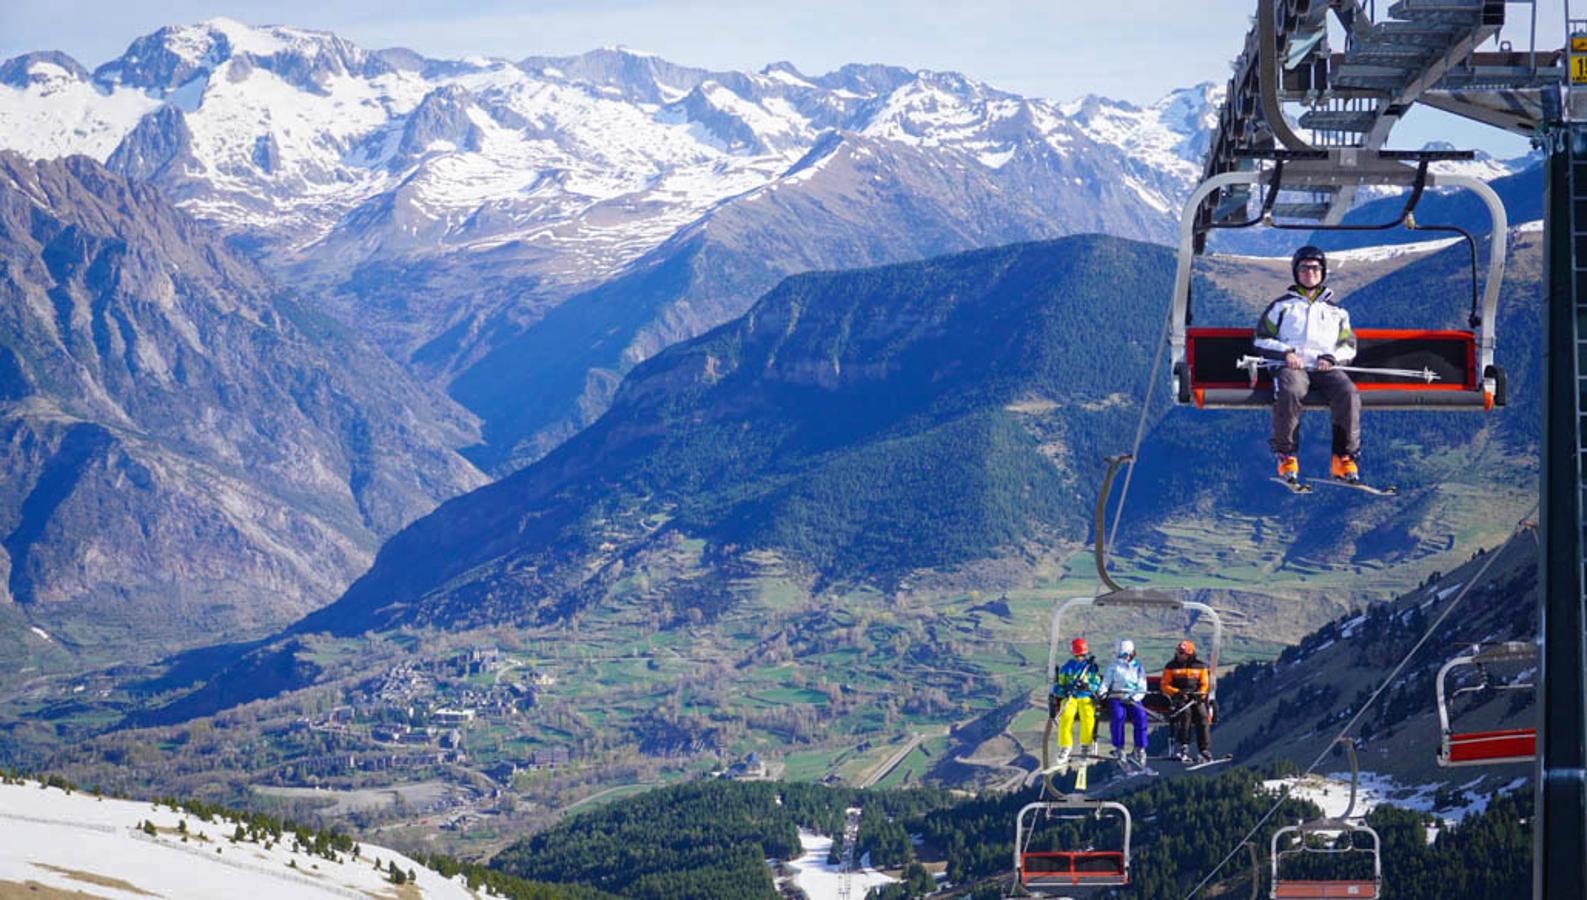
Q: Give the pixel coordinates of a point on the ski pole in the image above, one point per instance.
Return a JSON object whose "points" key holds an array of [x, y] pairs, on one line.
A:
{"points": [[1252, 363]]}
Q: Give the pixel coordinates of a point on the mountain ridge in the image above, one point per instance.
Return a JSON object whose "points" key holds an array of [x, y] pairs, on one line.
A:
{"points": [[186, 448]]}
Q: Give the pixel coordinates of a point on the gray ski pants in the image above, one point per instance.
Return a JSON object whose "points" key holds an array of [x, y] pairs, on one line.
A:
{"points": [[1344, 402]]}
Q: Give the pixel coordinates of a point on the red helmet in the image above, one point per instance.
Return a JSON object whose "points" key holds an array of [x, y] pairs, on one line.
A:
{"points": [[1187, 647], [1079, 647]]}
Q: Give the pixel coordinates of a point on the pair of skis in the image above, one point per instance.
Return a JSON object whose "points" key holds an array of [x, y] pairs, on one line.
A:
{"points": [[1128, 767], [1297, 486], [1194, 764], [1254, 364]]}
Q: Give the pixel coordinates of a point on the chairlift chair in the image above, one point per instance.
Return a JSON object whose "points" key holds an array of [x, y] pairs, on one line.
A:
{"points": [[1415, 369], [1297, 839], [1484, 748], [1118, 597], [1067, 872]]}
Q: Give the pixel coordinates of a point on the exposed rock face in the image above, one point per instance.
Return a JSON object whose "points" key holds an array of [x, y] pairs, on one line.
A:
{"points": [[186, 453], [41, 68]]}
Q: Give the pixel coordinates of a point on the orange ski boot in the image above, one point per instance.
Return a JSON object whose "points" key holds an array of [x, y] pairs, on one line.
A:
{"points": [[1288, 468], [1344, 468]]}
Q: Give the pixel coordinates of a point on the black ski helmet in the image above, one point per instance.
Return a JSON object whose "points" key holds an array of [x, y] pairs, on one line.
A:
{"points": [[1308, 252]]}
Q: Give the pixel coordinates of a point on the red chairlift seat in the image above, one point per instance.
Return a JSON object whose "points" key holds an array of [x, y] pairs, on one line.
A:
{"points": [[1210, 377], [1364, 890], [1491, 747], [1071, 868]]}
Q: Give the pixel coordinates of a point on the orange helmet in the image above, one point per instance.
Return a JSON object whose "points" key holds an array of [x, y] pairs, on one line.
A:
{"points": [[1187, 647], [1079, 647]]}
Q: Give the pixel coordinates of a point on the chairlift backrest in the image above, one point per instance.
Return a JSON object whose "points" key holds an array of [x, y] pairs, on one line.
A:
{"points": [[1477, 748]]}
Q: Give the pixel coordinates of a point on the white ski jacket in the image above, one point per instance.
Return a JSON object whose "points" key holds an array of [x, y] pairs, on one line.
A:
{"points": [[1316, 329], [1125, 678]]}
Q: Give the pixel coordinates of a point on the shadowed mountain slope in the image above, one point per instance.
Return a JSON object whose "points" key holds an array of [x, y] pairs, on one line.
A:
{"points": [[844, 417]]}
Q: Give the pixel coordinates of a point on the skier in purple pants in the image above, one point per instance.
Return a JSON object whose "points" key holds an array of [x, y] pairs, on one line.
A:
{"points": [[1124, 685]]}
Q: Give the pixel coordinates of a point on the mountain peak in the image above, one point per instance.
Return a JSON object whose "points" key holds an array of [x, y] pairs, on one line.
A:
{"points": [[173, 55], [41, 67], [624, 50]]}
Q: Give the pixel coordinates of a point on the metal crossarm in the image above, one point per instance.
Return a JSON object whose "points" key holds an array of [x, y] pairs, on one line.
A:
{"points": [[1354, 98]]}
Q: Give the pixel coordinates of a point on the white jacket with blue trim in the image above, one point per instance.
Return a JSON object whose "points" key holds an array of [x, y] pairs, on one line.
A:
{"points": [[1316, 329], [1125, 678]]}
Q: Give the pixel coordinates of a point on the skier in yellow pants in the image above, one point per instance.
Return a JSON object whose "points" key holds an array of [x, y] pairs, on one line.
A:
{"points": [[1076, 686]]}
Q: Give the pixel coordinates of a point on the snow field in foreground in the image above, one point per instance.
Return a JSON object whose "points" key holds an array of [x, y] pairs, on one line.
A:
{"points": [[78, 843], [821, 880]]}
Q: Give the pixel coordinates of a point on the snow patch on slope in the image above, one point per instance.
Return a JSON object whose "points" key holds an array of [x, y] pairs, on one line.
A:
{"points": [[62, 115], [1331, 793], [56, 839]]}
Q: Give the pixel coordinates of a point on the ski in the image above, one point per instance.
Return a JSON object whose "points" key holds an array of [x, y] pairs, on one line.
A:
{"points": [[1129, 770], [1295, 486], [1362, 486], [1215, 761]]}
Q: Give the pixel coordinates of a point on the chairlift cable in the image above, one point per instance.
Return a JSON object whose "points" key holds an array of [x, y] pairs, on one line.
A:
{"points": [[1140, 429], [1382, 688]]}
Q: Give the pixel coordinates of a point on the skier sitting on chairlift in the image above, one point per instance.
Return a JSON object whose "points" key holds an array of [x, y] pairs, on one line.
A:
{"points": [[1186, 684], [1074, 691], [1309, 333], [1124, 685]]}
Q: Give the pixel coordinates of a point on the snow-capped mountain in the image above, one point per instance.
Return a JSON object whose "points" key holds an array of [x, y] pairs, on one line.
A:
{"points": [[312, 144], [446, 207]]}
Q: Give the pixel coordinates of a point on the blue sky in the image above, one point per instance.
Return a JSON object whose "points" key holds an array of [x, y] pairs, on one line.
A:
{"points": [[1126, 49]]}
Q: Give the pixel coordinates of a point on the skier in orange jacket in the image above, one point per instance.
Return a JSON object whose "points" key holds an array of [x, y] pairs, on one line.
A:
{"points": [[1186, 683]]}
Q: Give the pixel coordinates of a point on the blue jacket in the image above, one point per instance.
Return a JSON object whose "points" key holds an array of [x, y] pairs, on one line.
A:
{"points": [[1078, 678]]}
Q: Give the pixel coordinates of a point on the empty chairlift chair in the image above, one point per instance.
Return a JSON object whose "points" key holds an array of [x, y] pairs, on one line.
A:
{"points": [[1069, 872], [1338, 839], [1482, 748], [1302, 839]]}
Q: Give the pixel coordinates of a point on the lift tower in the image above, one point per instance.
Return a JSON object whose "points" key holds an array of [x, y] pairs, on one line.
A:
{"points": [[1559, 863]]}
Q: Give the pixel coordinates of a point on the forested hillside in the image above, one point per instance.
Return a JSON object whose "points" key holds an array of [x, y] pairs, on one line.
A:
{"points": [[712, 840]]}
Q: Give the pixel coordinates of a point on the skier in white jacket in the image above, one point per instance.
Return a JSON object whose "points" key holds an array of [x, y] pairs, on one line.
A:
{"points": [[1124, 686], [1310, 334]]}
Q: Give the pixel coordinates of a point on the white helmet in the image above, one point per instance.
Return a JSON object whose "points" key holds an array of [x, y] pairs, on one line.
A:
{"points": [[1126, 647]]}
